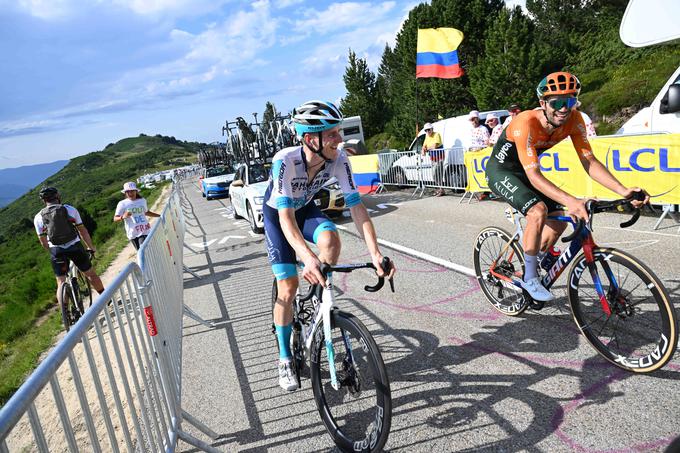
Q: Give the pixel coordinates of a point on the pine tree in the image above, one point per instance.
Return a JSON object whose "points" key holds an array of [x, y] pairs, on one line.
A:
{"points": [[361, 94], [511, 66]]}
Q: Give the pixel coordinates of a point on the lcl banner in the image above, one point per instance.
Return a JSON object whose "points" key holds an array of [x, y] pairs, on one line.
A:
{"points": [[648, 161]]}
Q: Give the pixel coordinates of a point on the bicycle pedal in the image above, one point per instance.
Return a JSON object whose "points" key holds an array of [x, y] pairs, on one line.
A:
{"points": [[536, 305]]}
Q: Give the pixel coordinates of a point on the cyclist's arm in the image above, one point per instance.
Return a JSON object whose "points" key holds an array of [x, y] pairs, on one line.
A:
{"points": [[43, 242], [152, 214], [85, 235], [591, 165], [366, 229]]}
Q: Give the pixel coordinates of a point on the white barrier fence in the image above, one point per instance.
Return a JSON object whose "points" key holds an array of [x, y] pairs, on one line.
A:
{"points": [[114, 382], [439, 168]]}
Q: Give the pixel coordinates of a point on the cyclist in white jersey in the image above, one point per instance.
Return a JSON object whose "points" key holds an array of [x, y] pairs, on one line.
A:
{"points": [[291, 218]]}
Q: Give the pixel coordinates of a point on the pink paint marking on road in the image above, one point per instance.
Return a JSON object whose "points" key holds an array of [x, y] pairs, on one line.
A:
{"points": [[537, 359], [557, 420]]}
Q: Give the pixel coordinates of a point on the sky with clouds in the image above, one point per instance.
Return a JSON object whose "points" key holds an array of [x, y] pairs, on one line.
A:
{"points": [[79, 74]]}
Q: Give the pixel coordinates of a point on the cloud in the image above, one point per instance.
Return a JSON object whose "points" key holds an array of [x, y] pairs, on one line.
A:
{"points": [[339, 16], [281, 4], [51, 10]]}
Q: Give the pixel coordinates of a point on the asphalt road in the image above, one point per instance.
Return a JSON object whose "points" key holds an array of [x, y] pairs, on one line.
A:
{"points": [[463, 376]]}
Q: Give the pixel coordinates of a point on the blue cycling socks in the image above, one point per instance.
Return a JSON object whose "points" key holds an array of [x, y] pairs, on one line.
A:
{"points": [[283, 335]]}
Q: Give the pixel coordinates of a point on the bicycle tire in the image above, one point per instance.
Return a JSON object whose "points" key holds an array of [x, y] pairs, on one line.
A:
{"points": [[361, 419], [489, 244], [656, 329], [85, 291], [65, 305]]}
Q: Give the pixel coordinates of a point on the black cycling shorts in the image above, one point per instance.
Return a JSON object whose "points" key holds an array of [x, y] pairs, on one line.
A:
{"points": [[516, 189], [62, 256]]}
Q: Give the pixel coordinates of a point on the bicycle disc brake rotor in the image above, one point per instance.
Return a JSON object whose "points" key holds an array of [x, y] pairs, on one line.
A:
{"points": [[350, 378]]}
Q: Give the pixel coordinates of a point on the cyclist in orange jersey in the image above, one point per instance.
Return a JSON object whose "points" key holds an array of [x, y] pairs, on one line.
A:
{"points": [[513, 171]]}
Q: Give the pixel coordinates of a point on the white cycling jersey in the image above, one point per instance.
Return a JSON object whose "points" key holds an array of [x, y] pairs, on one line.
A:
{"points": [[288, 187]]}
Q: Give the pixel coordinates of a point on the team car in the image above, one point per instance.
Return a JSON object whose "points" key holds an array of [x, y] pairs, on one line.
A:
{"points": [[246, 194], [215, 181]]}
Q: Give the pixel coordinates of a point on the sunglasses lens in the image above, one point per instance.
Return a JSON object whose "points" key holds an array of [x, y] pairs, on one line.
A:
{"points": [[560, 103]]}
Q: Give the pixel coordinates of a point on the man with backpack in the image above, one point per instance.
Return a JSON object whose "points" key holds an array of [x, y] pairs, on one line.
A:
{"points": [[60, 230]]}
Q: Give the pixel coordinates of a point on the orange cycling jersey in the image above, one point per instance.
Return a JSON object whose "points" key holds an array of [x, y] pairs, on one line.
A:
{"points": [[525, 139]]}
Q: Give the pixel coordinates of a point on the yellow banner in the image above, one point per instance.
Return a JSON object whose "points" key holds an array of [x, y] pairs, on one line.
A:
{"points": [[648, 161]]}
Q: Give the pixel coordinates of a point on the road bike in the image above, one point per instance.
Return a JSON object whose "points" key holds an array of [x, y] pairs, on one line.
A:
{"points": [[617, 302], [349, 379], [75, 292]]}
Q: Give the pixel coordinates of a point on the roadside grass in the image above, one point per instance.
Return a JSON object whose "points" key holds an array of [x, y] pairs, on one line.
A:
{"points": [[29, 328], [21, 356]]}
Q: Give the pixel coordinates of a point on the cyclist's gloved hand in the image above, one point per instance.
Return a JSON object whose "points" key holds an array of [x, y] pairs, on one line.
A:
{"points": [[576, 208], [638, 197], [312, 272]]}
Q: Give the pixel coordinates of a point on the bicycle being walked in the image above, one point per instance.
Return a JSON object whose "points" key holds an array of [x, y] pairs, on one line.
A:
{"points": [[60, 230]]}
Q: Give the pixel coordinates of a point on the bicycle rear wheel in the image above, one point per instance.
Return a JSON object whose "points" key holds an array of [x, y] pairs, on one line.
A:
{"points": [[640, 335], [497, 263], [67, 305], [84, 292], [357, 415]]}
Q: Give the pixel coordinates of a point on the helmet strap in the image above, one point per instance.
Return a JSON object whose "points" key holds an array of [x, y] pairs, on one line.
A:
{"points": [[319, 150]]}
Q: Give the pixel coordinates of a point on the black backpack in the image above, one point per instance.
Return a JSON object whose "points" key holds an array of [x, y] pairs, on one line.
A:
{"points": [[59, 228]]}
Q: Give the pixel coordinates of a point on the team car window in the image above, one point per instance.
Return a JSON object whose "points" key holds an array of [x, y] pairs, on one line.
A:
{"points": [[258, 173]]}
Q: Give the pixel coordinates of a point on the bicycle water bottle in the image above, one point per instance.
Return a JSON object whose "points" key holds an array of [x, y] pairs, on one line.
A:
{"points": [[550, 257]]}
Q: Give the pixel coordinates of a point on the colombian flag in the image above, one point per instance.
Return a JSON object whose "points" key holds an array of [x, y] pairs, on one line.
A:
{"points": [[437, 55]]}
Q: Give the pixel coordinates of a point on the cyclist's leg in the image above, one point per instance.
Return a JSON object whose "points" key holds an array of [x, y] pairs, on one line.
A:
{"points": [[81, 259], [60, 268], [320, 230], [282, 259], [521, 195]]}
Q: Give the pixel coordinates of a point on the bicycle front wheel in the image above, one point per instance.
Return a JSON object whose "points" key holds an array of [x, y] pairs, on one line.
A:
{"points": [[359, 413], [67, 304], [499, 261], [640, 334]]}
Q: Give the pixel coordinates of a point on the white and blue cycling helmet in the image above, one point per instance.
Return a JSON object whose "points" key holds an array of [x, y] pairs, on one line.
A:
{"points": [[316, 116]]}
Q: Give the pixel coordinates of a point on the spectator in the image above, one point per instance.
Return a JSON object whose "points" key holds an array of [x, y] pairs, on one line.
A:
{"points": [[480, 134], [496, 128], [434, 147], [590, 128], [514, 110], [133, 210], [60, 229]]}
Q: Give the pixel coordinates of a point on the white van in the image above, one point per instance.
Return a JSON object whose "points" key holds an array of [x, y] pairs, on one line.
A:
{"points": [[352, 129], [456, 136]]}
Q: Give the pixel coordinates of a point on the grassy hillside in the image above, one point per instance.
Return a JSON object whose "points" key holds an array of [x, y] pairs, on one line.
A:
{"points": [[92, 184]]}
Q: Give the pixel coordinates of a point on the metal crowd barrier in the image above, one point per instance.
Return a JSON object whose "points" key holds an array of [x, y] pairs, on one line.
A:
{"points": [[123, 360], [439, 168]]}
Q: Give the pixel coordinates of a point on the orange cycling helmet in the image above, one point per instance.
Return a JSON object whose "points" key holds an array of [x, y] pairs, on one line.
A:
{"points": [[558, 83]]}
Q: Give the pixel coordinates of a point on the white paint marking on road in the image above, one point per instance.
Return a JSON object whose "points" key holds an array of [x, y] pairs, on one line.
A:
{"points": [[371, 211], [226, 238], [642, 232], [241, 223], [422, 255], [228, 216], [637, 244], [382, 206], [204, 244], [346, 213], [222, 208]]}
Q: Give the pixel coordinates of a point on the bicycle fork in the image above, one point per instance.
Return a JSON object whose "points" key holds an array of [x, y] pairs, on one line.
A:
{"points": [[588, 245]]}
